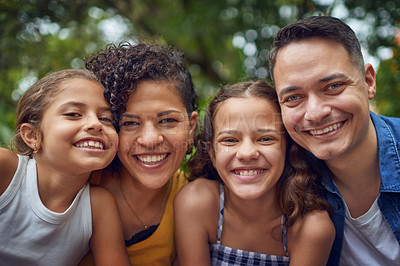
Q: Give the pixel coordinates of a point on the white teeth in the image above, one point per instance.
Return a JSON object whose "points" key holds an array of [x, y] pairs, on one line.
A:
{"points": [[90, 144], [326, 130], [152, 159], [248, 172]]}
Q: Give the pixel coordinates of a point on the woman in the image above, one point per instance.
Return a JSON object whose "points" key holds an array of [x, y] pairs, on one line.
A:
{"points": [[152, 96]]}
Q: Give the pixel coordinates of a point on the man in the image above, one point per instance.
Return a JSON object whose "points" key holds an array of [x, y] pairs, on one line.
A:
{"points": [[324, 91]]}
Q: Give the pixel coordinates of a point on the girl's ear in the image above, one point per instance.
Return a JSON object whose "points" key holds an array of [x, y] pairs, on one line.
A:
{"points": [[192, 130], [31, 136], [192, 125]]}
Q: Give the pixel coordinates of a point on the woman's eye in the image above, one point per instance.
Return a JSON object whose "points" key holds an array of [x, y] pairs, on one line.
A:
{"points": [[168, 121], [129, 124]]}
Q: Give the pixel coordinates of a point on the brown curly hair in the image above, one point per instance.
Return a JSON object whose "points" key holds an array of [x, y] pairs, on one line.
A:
{"points": [[298, 190], [121, 67]]}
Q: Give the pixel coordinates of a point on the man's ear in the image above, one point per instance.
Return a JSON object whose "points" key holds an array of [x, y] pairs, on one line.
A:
{"points": [[370, 80], [30, 135]]}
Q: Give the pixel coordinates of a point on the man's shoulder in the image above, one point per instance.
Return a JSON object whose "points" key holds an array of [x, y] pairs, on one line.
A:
{"points": [[384, 124], [385, 119]]}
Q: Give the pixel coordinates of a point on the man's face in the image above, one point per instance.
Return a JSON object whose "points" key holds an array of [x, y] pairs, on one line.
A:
{"points": [[324, 97]]}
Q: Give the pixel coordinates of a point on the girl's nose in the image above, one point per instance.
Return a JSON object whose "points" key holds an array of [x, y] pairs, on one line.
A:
{"points": [[93, 124], [247, 151]]}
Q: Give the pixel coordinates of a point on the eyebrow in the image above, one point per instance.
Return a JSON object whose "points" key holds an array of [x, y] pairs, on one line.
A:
{"points": [[323, 80], [80, 105], [333, 76], [158, 115], [129, 116], [167, 112], [233, 131]]}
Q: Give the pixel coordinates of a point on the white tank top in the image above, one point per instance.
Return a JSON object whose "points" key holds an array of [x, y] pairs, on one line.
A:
{"points": [[368, 240], [31, 234]]}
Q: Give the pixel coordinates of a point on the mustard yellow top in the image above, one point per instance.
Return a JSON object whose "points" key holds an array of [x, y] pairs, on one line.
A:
{"points": [[159, 248]]}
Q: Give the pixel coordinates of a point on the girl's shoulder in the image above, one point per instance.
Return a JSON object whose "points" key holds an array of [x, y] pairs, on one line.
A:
{"points": [[200, 192], [8, 166], [198, 200], [315, 225], [311, 238], [196, 208]]}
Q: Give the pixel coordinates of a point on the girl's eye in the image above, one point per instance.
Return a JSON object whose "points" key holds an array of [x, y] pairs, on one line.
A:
{"points": [[106, 120], [265, 139], [73, 114], [228, 141]]}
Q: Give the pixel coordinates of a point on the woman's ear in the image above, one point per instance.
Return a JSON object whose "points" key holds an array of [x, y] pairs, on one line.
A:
{"points": [[31, 136]]}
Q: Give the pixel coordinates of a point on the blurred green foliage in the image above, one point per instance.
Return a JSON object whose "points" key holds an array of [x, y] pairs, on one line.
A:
{"points": [[224, 41]]}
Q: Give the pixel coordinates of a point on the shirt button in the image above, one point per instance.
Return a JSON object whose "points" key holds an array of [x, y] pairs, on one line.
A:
{"points": [[337, 207]]}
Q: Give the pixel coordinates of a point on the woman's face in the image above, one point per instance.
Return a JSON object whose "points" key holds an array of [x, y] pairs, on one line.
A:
{"points": [[155, 132]]}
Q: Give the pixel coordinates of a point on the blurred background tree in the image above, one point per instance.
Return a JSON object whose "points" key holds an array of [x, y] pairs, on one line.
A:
{"points": [[224, 41]]}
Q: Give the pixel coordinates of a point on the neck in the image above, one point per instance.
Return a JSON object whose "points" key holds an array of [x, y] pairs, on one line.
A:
{"points": [[140, 194], [57, 191], [356, 174], [140, 206], [359, 164], [253, 209]]}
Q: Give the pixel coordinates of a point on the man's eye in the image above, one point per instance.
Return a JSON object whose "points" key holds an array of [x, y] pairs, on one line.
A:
{"points": [[292, 98], [335, 86]]}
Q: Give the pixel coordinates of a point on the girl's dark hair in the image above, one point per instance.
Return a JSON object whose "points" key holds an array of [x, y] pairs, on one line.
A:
{"points": [[298, 189], [120, 68], [36, 99]]}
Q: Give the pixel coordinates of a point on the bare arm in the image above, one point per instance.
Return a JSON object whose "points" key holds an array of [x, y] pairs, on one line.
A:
{"points": [[107, 242], [310, 239], [8, 166], [196, 216]]}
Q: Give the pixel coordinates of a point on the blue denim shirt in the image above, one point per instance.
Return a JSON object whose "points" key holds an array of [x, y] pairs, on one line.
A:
{"points": [[388, 134]]}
